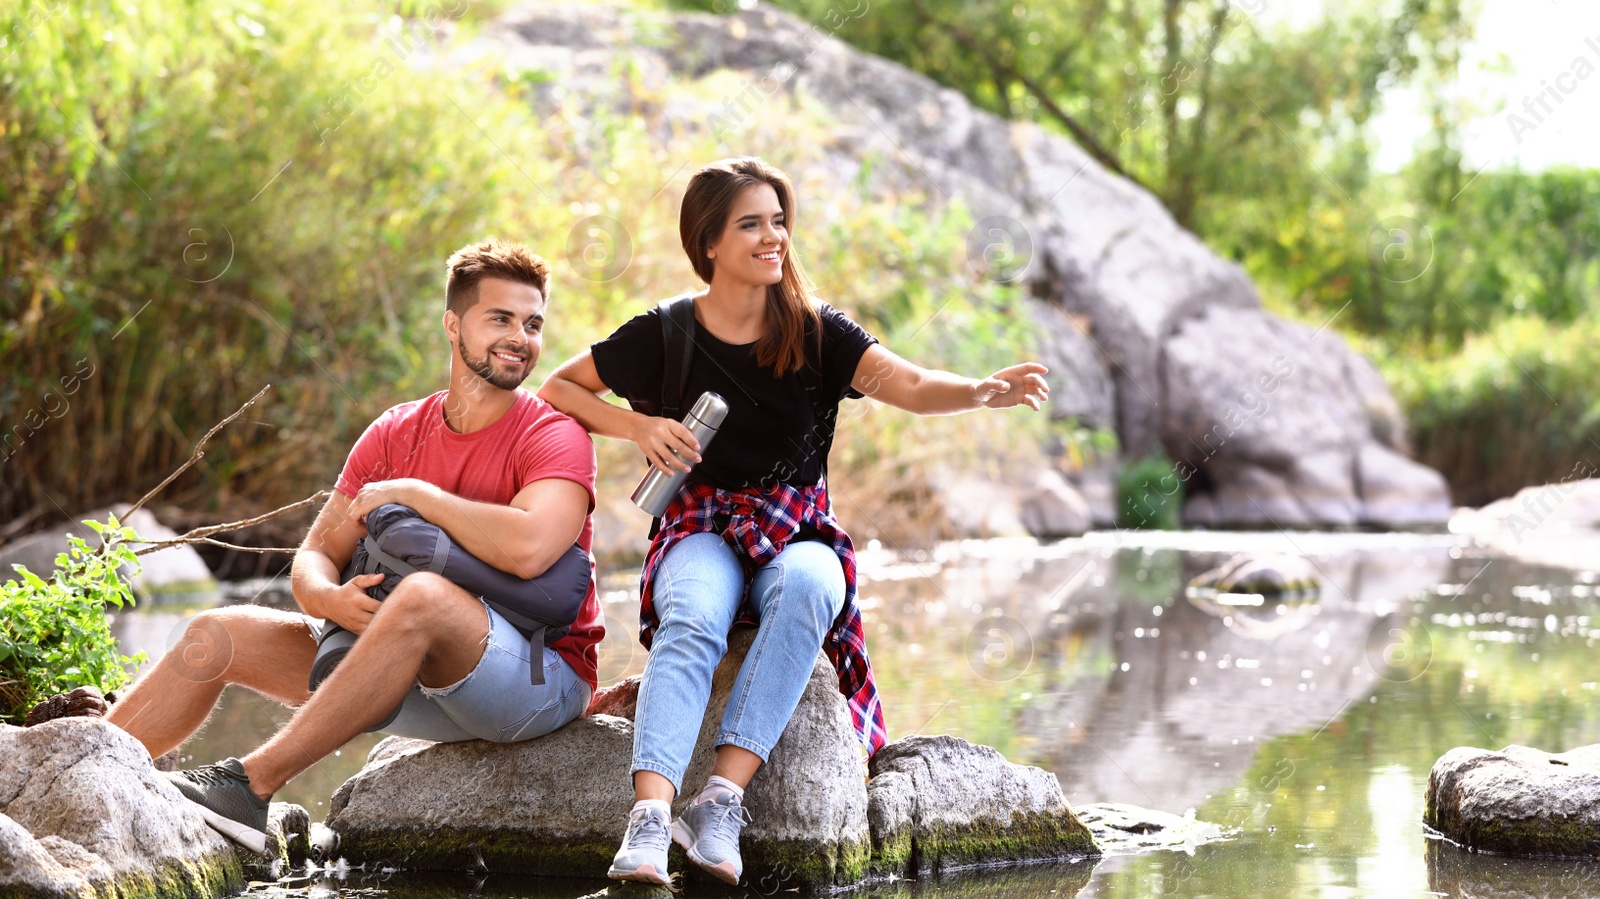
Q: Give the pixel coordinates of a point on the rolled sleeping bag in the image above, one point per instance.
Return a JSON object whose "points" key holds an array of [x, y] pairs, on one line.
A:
{"points": [[400, 542]]}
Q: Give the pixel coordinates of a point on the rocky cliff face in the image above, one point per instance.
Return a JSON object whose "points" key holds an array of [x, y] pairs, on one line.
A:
{"points": [[1145, 329]]}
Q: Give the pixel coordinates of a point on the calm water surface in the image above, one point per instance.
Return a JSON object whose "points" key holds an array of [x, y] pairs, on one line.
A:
{"points": [[1307, 729]]}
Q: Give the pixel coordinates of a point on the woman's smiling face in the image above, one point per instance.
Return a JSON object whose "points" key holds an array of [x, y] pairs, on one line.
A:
{"points": [[754, 241]]}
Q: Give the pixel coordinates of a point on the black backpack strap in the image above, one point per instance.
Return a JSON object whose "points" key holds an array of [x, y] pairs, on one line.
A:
{"points": [[677, 337]]}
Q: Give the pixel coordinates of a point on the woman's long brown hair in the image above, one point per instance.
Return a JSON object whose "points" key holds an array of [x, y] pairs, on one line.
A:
{"points": [[791, 313]]}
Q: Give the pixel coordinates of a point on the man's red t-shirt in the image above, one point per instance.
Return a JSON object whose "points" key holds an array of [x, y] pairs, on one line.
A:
{"points": [[531, 442]]}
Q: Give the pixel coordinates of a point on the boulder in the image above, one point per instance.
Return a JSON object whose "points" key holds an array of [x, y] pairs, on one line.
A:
{"points": [[1051, 507], [83, 812], [558, 805], [1518, 801], [1399, 493], [1290, 429], [938, 803], [177, 572]]}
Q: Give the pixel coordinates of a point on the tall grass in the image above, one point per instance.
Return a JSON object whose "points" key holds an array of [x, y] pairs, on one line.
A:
{"points": [[1516, 406]]}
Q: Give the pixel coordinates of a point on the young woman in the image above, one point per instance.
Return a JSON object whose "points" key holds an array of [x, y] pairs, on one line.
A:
{"points": [[752, 536]]}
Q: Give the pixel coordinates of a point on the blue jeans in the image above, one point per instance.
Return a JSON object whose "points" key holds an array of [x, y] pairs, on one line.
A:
{"points": [[698, 586]]}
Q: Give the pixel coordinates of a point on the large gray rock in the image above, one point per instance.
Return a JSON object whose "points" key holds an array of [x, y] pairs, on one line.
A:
{"points": [[176, 572], [558, 805], [1291, 428], [83, 812], [1051, 507], [1144, 328], [1518, 801], [939, 803]]}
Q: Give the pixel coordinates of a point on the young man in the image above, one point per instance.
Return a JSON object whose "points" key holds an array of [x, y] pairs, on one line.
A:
{"points": [[510, 479]]}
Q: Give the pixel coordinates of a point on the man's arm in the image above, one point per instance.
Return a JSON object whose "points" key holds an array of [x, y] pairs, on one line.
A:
{"points": [[314, 577], [525, 538]]}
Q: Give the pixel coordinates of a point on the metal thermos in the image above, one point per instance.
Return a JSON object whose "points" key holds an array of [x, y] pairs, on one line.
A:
{"points": [[658, 488]]}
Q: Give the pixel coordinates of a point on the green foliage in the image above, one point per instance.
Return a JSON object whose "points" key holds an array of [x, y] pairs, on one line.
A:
{"points": [[1149, 494], [1514, 406], [148, 145], [53, 634]]}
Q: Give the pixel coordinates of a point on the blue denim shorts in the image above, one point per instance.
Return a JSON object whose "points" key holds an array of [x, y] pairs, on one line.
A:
{"points": [[496, 701]]}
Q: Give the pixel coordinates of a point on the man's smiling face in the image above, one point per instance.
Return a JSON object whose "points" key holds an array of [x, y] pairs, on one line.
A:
{"points": [[501, 335]]}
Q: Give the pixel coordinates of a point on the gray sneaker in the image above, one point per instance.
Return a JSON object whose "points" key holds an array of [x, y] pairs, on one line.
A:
{"points": [[222, 794], [643, 856], [709, 831]]}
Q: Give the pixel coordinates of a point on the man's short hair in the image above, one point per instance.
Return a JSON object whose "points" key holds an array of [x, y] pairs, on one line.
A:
{"points": [[492, 258]]}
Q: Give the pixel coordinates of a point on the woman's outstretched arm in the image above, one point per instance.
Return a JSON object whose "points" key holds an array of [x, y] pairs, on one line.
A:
{"points": [[576, 389], [905, 385]]}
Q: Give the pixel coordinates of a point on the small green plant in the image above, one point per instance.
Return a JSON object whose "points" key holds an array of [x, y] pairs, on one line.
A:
{"points": [[1149, 495], [54, 636]]}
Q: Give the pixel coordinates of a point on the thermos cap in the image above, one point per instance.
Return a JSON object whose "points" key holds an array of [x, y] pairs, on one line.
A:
{"points": [[710, 409]]}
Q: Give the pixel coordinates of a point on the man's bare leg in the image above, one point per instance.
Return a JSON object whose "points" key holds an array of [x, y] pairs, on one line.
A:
{"points": [[266, 650], [428, 629]]}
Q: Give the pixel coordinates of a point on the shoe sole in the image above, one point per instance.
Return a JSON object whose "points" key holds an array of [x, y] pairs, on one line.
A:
{"points": [[723, 871], [243, 834], [641, 874]]}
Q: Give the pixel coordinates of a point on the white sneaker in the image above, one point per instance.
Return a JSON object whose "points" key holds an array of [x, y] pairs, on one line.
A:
{"points": [[643, 856]]}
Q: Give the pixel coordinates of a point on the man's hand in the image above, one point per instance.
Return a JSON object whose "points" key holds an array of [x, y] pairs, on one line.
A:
{"points": [[412, 492], [348, 604]]}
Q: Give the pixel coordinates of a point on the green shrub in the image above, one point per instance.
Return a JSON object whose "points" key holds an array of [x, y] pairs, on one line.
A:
{"points": [[54, 636], [1149, 494], [1515, 406]]}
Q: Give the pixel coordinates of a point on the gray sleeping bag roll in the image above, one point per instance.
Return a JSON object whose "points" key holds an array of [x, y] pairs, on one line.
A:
{"points": [[400, 542]]}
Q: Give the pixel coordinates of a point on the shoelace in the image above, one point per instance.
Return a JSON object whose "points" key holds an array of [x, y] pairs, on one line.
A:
{"points": [[646, 830], [211, 775], [720, 814]]}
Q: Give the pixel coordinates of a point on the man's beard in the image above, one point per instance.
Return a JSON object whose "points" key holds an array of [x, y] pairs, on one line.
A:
{"points": [[483, 367]]}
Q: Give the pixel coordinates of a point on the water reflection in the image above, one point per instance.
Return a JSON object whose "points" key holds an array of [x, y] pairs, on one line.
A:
{"points": [[1308, 731]]}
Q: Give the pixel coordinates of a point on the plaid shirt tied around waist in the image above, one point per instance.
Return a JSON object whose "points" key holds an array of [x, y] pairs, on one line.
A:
{"points": [[758, 522]]}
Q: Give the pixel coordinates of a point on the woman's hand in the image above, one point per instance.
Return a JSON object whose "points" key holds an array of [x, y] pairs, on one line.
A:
{"points": [[664, 441], [1017, 385]]}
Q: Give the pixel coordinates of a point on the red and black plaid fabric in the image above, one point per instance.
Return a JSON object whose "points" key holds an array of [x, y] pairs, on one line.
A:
{"points": [[758, 522]]}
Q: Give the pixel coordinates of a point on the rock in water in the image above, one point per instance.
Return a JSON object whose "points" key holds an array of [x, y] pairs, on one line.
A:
{"points": [[1518, 801], [83, 812], [1121, 828], [1269, 575], [558, 805], [940, 803]]}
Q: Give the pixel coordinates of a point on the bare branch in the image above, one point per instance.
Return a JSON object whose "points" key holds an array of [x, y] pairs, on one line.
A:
{"points": [[198, 454], [203, 534]]}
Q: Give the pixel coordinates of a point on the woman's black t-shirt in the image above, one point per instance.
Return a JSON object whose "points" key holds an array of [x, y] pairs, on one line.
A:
{"points": [[778, 430]]}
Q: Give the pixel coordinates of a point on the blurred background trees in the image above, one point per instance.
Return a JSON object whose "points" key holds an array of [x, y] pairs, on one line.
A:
{"points": [[199, 197]]}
